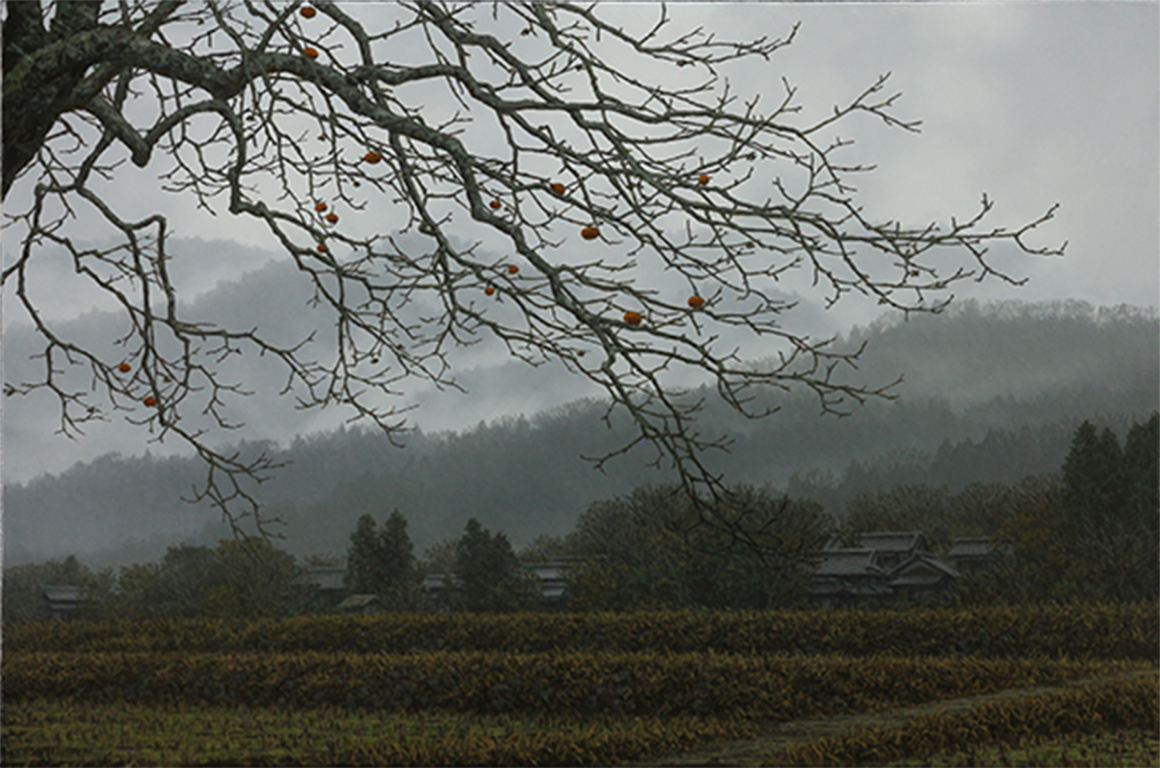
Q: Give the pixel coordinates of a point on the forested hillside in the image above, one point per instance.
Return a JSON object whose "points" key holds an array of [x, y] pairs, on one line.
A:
{"points": [[990, 393]]}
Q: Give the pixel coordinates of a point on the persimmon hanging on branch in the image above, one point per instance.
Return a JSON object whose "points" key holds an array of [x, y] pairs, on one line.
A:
{"points": [[107, 82]]}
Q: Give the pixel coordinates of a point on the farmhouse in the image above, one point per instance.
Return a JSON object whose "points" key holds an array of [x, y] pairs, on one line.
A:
{"points": [[64, 601], [552, 575], [326, 582], [847, 576], [882, 567]]}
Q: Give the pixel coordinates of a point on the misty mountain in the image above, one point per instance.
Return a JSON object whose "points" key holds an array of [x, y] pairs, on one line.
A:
{"points": [[267, 291], [990, 393]]}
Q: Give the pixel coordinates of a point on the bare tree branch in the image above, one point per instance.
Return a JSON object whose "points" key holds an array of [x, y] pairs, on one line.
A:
{"points": [[653, 175]]}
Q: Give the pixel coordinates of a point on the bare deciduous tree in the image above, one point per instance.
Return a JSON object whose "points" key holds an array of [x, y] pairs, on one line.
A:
{"points": [[287, 115]]}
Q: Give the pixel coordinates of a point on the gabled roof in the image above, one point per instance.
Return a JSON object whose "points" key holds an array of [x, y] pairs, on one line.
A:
{"points": [[849, 562], [551, 569], [64, 593], [922, 569]]}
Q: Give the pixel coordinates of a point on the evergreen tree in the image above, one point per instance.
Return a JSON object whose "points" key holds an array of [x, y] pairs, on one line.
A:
{"points": [[1142, 465], [1094, 482], [1142, 470], [399, 588], [1104, 502], [488, 573], [383, 562], [362, 558]]}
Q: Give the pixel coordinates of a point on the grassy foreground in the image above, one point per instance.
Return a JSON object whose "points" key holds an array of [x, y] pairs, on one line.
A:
{"points": [[573, 692], [1113, 723]]}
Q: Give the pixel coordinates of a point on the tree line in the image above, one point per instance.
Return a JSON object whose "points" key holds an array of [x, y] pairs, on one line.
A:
{"points": [[1090, 532]]}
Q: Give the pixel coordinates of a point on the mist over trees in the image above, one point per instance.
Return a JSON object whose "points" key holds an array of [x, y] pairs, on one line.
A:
{"points": [[1087, 532], [683, 180], [524, 475]]}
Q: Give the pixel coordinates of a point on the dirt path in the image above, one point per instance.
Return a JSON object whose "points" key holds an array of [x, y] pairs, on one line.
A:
{"points": [[755, 751]]}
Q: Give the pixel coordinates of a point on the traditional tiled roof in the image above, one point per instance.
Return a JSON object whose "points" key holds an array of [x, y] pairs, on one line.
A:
{"points": [[922, 569], [552, 569], [848, 562], [64, 594]]}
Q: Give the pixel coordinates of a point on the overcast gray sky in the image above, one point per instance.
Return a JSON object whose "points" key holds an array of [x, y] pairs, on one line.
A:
{"points": [[1032, 103]]}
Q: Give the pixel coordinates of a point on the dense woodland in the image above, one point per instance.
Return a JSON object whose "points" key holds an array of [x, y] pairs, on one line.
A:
{"points": [[1038, 372]]}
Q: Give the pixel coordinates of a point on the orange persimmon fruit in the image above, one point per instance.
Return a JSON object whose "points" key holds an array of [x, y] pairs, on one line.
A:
{"points": [[696, 302], [590, 233], [320, 207], [308, 12], [495, 204], [332, 218], [632, 318], [124, 367], [372, 157], [513, 269], [321, 248], [558, 188], [703, 179], [150, 401], [310, 53], [489, 290]]}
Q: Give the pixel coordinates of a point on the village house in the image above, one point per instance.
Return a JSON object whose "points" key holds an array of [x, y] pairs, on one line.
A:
{"points": [[849, 576], [325, 582], [64, 601], [436, 591], [553, 580], [882, 567]]}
